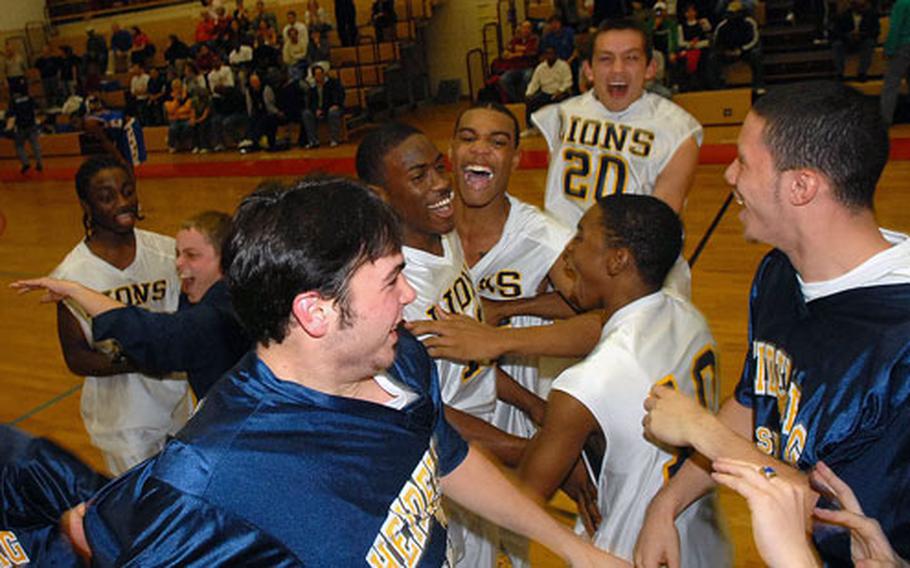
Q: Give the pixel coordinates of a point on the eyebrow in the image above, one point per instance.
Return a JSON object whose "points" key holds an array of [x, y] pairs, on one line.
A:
{"points": [[393, 275]]}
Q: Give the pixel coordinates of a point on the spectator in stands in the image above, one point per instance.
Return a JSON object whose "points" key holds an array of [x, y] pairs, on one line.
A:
{"points": [[22, 124], [560, 38], [15, 68], [205, 29], [176, 54], [205, 59], [897, 50], [291, 99], [139, 94], [95, 54], [157, 91], [550, 83], [326, 103], [121, 45], [230, 38], [319, 51], [292, 23], [315, 18], [143, 48], [222, 21], [241, 58], [519, 61], [262, 15], [192, 79], [266, 34], [736, 38], [855, 30], [179, 109], [225, 109], [49, 66], [384, 19], [694, 41], [663, 30], [265, 57], [346, 20], [241, 15], [609, 10], [201, 121], [263, 114], [70, 63], [294, 55]]}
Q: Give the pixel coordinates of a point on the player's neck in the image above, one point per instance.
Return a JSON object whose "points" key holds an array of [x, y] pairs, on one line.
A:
{"points": [[117, 249], [829, 248], [622, 293], [427, 242], [480, 228]]}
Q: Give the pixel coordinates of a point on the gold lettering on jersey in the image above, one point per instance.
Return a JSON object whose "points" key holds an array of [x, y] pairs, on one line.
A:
{"points": [[505, 284], [139, 293], [11, 552], [609, 136], [407, 527], [772, 376]]}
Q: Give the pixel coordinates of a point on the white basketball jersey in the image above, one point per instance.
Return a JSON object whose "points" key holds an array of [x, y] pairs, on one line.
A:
{"points": [[116, 407], [444, 282], [530, 244], [656, 339], [595, 152]]}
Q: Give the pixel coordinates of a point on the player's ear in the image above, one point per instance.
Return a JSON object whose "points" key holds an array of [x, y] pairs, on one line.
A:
{"points": [[618, 260], [380, 192], [804, 186], [312, 313]]}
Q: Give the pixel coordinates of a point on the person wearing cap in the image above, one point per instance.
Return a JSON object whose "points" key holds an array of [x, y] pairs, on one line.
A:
{"points": [[737, 38]]}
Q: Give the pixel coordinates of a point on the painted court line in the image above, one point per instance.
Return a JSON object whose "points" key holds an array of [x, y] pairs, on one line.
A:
{"points": [[45, 405]]}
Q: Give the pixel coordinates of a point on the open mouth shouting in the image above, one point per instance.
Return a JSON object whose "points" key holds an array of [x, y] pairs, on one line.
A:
{"points": [[618, 88]]}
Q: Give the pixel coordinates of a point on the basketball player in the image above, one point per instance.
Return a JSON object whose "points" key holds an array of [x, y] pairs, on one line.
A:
{"points": [[826, 373], [127, 415], [202, 338], [327, 446], [119, 135], [618, 260]]}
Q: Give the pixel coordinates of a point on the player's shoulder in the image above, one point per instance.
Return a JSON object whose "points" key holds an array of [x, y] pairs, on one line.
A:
{"points": [[74, 262], [531, 222], [671, 115], [156, 242]]}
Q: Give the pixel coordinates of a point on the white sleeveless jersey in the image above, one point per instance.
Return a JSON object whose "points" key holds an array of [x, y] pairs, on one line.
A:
{"points": [[530, 244], [657, 339], [118, 410], [595, 152], [444, 282]]}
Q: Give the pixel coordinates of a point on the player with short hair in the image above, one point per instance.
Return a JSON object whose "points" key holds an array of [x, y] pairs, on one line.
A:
{"points": [[128, 415], [618, 260], [825, 376]]}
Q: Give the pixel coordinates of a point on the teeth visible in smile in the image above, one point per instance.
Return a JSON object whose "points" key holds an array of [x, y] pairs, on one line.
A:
{"points": [[479, 171], [441, 203]]}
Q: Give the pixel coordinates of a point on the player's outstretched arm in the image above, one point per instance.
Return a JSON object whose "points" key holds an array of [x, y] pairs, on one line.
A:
{"points": [[676, 179], [91, 302], [479, 486], [464, 339]]}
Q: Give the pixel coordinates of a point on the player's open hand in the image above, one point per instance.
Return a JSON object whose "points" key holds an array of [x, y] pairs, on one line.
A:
{"points": [[457, 337], [671, 415], [55, 290], [780, 518], [869, 546]]}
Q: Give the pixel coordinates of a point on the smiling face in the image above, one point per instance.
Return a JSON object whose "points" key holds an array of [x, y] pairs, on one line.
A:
{"points": [[198, 264], [757, 184], [620, 68], [418, 188], [483, 155], [378, 293], [112, 203]]}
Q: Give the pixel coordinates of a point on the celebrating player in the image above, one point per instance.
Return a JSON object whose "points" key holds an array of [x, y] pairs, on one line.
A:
{"points": [[128, 415], [618, 260], [825, 377], [203, 338]]}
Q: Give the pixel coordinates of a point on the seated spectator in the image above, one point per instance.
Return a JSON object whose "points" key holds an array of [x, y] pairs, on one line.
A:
{"points": [[70, 65], [157, 91], [319, 51], [518, 62], [139, 94], [291, 100], [201, 121], [205, 29], [121, 45], [222, 86], [205, 58], [262, 15], [292, 23], [192, 79], [384, 19], [294, 54], [179, 110], [22, 125], [736, 38], [694, 41], [325, 103], [263, 114], [230, 38], [266, 34], [15, 67], [560, 38], [855, 30], [176, 54], [143, 48], [663, 30], [241, 58], [222, 21], [96, 55], [550, 83], [49, 66], [315, 18], [242, 16], [265, 57]]}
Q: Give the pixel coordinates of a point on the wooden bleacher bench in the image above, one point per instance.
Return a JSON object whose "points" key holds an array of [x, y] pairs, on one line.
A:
{"points": [[710, 108], [873, 87], [66, 144]]}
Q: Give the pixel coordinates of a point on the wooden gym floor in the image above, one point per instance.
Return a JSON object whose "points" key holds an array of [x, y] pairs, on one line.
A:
{"points": [[44, 222]]}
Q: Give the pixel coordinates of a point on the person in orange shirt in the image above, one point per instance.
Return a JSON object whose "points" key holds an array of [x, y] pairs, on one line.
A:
{"points": [[179, 110]]}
